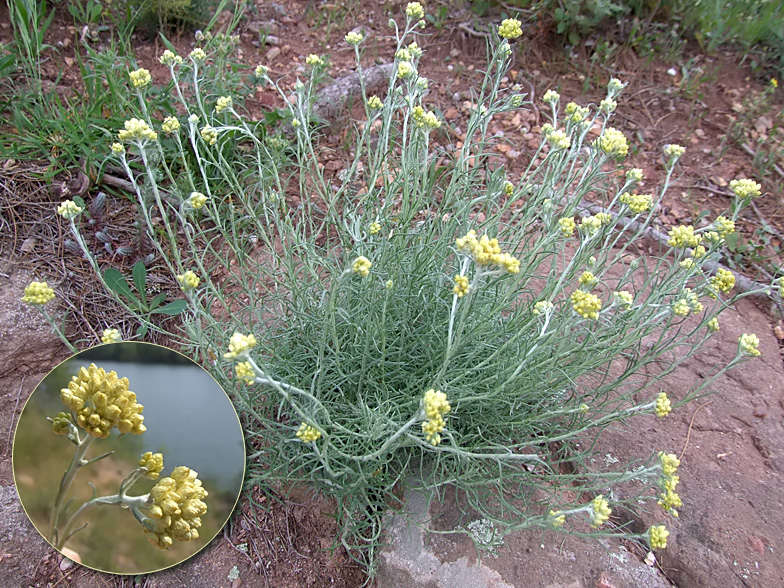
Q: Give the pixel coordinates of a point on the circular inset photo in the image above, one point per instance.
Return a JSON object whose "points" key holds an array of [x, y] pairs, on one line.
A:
{"points": [[128, 458]]}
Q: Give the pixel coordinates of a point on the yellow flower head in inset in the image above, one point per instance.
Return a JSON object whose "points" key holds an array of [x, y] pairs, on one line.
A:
{"points": [[101, 401], [176, 509], [153, 463]]}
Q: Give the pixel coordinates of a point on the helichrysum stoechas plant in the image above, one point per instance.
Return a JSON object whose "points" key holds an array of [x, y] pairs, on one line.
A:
{"points": [[459, 340], [99, 402]]}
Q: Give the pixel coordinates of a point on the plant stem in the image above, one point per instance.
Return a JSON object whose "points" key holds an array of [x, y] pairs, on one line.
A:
{"points": [[65, 484]]}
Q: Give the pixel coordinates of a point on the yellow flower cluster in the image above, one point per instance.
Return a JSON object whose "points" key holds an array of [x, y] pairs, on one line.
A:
{"points": [[683, 236], [747, 344], [306, 433], [375, 102], [313, 60], [681, 308], [38, 293], [713, 325], [169, 59], [487, 251], [153, 462], [197, 200], [585, 304], [510, 28], [223, 103], [198, 54], [608, 105], [61, 424], [588, 280], [663, 405], [244, 372], [543, 307], [557, 518], [414, 10], [634, 174], [354, 38], [551, 96], [690, 302], [461, 286], [575, 113], [567, 226], [177, 505], [745, 188], [669, 499], [69, 209], [638, 203], [436, 406], [723, 281], [615, 85], [362, 266], [405, 70], [111, 336], [102, 401], [601, 511], [423, 119], [724, 226], [118, 148], [592, 224], [508, 188], [188, 281], [209, 134], [140, 78], [137, 129], [557, 138], [403, 54], [240, 345], [624, 299], [170, 124], [613, 143], [657, 536], [375, 228], [674, 151]]}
